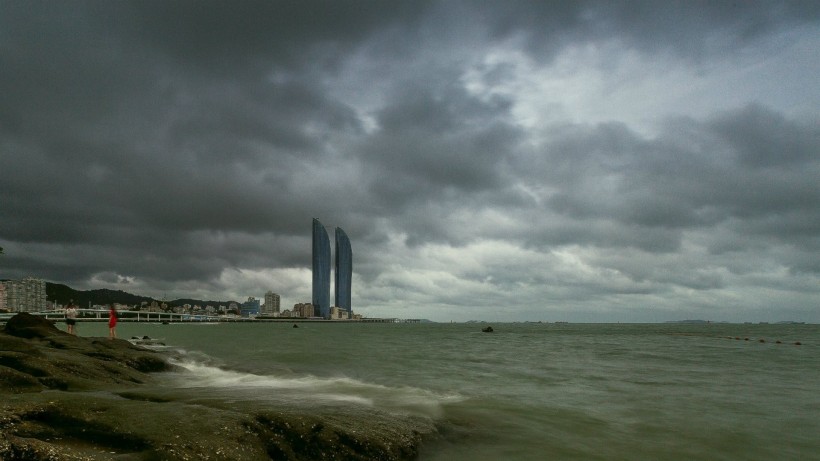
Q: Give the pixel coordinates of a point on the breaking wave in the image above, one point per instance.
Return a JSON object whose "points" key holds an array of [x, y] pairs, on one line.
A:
{"points": [[200, 373]]}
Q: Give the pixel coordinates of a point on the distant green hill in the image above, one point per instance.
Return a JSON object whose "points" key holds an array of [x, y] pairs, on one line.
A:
{"points": [[62, 294]]}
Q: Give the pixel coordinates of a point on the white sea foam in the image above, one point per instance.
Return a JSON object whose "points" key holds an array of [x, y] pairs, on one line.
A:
{"points": [[309, 388]]}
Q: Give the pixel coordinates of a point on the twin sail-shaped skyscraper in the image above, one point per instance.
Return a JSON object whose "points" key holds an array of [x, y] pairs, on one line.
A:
{"points": [[343, 270]]}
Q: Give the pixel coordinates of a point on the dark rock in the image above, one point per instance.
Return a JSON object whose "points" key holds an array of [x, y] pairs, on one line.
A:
{"points": [[302, 437], [34, 354], [25, 325], [487, 329], [15, 382]]}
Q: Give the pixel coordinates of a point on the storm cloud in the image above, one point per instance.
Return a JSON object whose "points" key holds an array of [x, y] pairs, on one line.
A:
{"points": [[583, 161]]}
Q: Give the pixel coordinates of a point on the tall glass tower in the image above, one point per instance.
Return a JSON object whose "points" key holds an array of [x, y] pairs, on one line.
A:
{"points": [[344, 269], [321, 270]]}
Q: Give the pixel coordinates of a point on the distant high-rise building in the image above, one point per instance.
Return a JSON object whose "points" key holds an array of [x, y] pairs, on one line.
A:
{"points": [[271, 304], [344, 269], [250, 307], [26, 295], [321, 269]]}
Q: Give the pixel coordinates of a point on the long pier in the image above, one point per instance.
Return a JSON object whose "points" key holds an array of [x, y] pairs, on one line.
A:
{"points": [[101, 315]]}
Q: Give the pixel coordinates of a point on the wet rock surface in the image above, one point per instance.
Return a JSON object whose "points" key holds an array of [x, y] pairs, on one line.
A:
{"points": [[72, 398], [35, 356]]}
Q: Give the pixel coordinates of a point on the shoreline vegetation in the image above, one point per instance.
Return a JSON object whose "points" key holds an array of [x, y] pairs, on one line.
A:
{"points": [[66, 397]]}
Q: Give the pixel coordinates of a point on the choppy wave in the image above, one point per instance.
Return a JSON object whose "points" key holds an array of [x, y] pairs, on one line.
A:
{"points": [[529, 391], [201, 373]]}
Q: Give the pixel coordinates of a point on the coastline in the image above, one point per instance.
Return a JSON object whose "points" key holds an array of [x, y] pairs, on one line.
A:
{"points": [[165, 318], [75, 398]]}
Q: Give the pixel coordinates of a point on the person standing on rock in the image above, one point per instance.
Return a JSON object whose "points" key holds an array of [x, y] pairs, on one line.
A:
{"points": [[71, 318], [112, 322]]}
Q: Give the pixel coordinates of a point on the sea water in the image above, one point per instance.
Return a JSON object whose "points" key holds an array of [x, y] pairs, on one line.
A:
{"points": [[527, 391]]}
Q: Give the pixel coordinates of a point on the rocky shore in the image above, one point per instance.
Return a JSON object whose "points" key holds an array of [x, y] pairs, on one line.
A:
{"points": [[72, 398]]}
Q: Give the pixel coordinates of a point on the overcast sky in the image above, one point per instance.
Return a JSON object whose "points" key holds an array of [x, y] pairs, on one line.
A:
{"points": [[509, 160]]}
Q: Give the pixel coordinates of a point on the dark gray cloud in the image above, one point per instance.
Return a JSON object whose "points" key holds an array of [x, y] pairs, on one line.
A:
{"points": [[692, 29], [182, 148]]}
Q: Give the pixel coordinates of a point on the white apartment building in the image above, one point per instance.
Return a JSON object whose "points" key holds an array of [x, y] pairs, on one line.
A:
{"points": [[271, 306], [26, 295]]}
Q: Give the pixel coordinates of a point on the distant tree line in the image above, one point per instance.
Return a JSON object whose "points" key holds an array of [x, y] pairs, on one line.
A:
{"points": [[63, 294]]}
